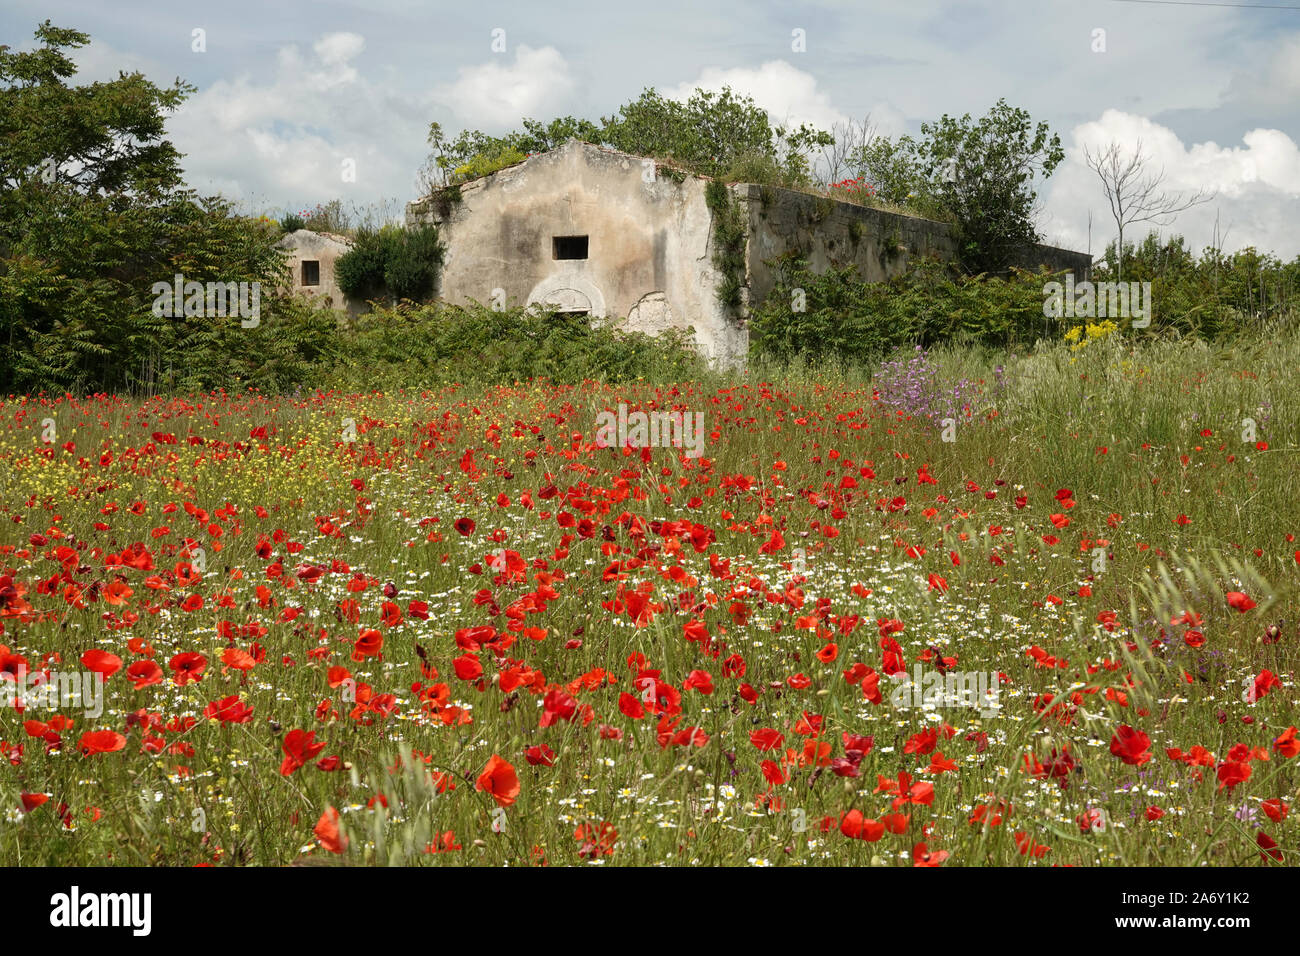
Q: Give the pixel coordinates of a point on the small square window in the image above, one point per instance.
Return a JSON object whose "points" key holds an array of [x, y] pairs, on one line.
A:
{"points": [[569, 247], [311, 272]]}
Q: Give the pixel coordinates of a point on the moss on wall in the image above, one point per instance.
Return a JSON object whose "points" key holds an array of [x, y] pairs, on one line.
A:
{"points": [[729, 241]]}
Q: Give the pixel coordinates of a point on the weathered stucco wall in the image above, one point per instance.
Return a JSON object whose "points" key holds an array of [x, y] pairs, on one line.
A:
{"points": [[1058, 260], [325, 249], [881, 244], [649, 256]]}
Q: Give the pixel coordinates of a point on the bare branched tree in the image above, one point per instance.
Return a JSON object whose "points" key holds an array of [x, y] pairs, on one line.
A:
{"points": [[1134, 194], [839, 160]]}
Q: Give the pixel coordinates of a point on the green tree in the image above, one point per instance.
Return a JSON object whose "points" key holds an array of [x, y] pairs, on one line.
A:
{"points": [[720, 134], [393, 262], [712, 133], [474, 153], [982, 174], [889, 165], [93, 212]]}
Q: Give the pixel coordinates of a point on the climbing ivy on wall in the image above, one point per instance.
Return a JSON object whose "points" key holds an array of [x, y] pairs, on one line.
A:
{"points": [[728, 242]]}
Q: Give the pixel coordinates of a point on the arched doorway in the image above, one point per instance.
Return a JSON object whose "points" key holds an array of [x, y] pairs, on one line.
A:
{"points": [[569, 292]]}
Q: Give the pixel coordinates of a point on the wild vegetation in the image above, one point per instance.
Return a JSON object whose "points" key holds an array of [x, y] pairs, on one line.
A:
{"points": [[384, 590], [841, 318], [446, 626]]}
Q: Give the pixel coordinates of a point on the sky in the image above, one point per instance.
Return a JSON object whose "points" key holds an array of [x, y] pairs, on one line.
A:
{"points": [[302, 102]]}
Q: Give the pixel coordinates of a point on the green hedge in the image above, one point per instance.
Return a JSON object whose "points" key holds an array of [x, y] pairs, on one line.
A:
{"points": [[413, 346], [856, 322]]}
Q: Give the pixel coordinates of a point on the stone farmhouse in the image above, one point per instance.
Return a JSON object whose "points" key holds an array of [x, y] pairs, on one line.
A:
{"points": [[311, 257], [592, 231]]}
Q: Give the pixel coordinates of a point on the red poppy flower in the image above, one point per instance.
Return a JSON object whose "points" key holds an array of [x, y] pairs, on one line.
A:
{"points": [[144, 673], [1233, 772], [1239, 601], [857, 827], [498, 779], [100, 742], [188, 668], [540, 755], [596, 839], [101, 662], [923, 856], [239, 660], [369, 644], [1287, 744], [699, 680], [229, 710], [1268, 847], [1276, 809], [299, 746], [1131, 746], [327, 832], [33, 800], [467, 667]]}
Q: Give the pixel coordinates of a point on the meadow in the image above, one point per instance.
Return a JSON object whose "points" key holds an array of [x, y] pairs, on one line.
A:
{"points": [[446, 627]]}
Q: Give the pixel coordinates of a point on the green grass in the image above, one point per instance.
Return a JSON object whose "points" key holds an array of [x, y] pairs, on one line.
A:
{"points": [[1119, 427]]}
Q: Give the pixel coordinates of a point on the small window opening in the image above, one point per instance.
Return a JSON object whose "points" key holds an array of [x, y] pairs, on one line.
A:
{"points": [[569, 247], [311, 272]]}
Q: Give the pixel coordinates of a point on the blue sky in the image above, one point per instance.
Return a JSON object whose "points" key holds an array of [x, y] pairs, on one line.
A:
{"points": [[287, 91]]}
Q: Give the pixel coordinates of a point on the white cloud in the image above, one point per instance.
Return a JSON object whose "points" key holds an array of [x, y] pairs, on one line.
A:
{"points": [[337, 48], [1257, 185], [98, 61], [500, 93], [274, 120], [1274, 82], [789, 95], [284, 139]]}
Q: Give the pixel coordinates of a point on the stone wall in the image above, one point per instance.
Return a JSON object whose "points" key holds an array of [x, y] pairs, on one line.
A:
{"points": [[648, 244], [325, 249], [881, 244]]}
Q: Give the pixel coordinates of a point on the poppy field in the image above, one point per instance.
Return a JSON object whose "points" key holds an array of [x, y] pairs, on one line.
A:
{"points": [[980, 610]]}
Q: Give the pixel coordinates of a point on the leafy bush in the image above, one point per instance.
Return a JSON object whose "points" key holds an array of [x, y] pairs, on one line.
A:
{"points": [[328, 217], [858, 322], [1214, 296], [411, 271], [978, 173], [422, 346], [398, 263], [755, 167], [360, 271], [93, 213], [484, 163], [714, 133]]}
